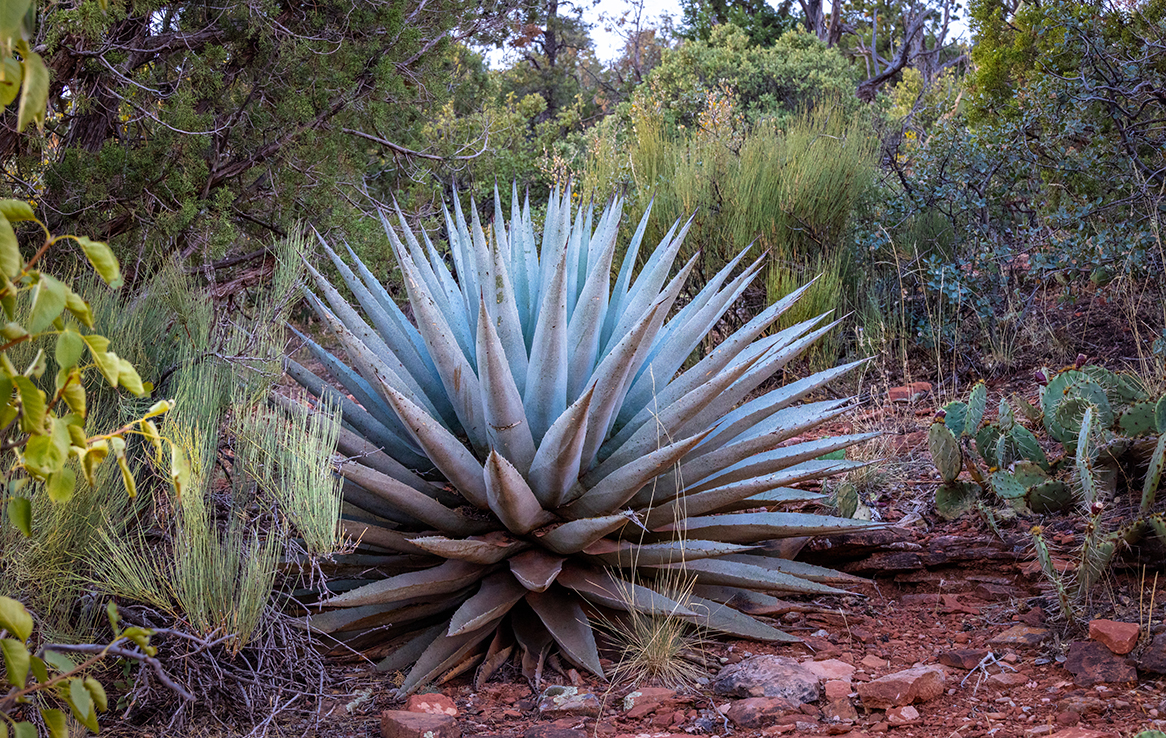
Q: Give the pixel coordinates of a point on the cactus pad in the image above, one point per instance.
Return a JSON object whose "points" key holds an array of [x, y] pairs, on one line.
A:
{"points": [[945, 451]]}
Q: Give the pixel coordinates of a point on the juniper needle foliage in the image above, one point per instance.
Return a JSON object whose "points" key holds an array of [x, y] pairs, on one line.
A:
{"points": [[533, 432]]}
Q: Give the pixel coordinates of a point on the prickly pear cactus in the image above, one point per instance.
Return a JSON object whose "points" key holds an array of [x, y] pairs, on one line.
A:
{"points": [[1098, 417]]}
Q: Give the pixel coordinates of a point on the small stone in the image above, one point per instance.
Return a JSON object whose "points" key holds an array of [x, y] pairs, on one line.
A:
{"points": [[404, 724], [840, 710], [560, 701], [963, 658], [805, 726], [830, 669], [768, 676], [1007, 679], [837, 690], [756, 712], [1092, 663], [1153, 659], [882, 727], [1039, 730], [902, 715], [1117, 636], [1021, 636], [1010, 658], [435, 703], [1067, 717], [871, 661], [961, 637], [918, 684]]}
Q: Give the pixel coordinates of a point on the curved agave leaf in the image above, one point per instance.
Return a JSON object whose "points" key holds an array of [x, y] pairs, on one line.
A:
{"points": [[602, 587], [484, 550], [506, 425], [613, 491], [448, 577], [577, 535], [724, 619], [536, 569], [410, 501], [357, 417], [775, 460], [410, 649], [799, 569], [762, 526], [377, 535], [625, 554], [735, 574], [564, 619], [545, 397], [496, 595], [372, 616], [510, 498], [447, 453], [556, 464]]}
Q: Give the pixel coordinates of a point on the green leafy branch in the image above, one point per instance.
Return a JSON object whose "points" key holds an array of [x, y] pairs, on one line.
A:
{"points": [[56, 675]]}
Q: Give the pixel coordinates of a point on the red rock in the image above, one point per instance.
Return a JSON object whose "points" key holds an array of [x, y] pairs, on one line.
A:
{"points": [[1117, 636], [837, 690], [961, 637], [403, 724], [910, 393], [768, 676], [434, 704], [840, 710], [1092, 663], [871, 661], [1007, 679], [830, 669], [963, 658], [1021, 636], [918, 684], [758, 712], [902, 715]]}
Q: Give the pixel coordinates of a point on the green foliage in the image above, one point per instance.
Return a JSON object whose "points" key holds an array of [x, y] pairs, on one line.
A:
{"points": [[763, 23], [56, 679], [769, 82], [533, 428], [168, 116]]}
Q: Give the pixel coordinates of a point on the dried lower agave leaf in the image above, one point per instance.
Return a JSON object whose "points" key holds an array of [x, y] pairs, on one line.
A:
{"points": [[532, 444]]}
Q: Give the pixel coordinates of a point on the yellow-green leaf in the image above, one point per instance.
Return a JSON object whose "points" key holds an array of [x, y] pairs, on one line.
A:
{"points": [[106, 361], [15, 619], [12, 73], [16, 210], [159, 407], [32, 403], [13, 331], [48, 301], [69, 348], [34, 93], [11, 263], [56, 722], [102, 259], [150, 431], [39, 670], [74, 395], [93, 458], [16, 657], [97, 692], [60, 661], [79, 308], [179, 469], [61, 485], [128, 377], [20, 513], [24, 730], [127, 477], [82, 703], [11, 16], [36, 368]]}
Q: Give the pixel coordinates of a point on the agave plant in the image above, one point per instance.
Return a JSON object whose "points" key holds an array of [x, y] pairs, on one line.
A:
{"points": [[534, 444]]}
